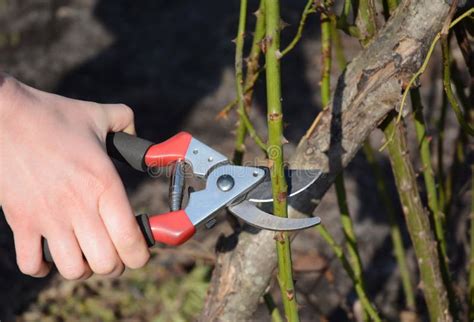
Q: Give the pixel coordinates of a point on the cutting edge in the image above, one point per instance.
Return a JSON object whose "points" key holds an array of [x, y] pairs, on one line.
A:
{"points": [[294, 187], [252, 215]]}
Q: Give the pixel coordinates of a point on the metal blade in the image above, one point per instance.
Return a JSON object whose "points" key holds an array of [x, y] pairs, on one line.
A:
{"points": [[298, 181], [249, 213]]}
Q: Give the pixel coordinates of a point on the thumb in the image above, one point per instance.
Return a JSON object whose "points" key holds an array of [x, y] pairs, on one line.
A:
{"points": [[119, 118]]}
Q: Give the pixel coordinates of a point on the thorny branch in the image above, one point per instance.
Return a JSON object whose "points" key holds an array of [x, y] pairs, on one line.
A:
{"points": [[346, 220], [366, 92], [418, 223], [275, 155], [244, 100], [309, 8]]}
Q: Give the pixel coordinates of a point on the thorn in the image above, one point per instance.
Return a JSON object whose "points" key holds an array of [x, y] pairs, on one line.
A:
{"points": [[257, 13], [275, 116], [282, 196], [329, 275], [248, 102], [234, 40], [284, 140], [319, 7], [270, 163], [279, 237], [327, 5], [283, 24], [264, 44], [404, 84], [290, 294], [278, 54], [309, 151], [224, 115]]}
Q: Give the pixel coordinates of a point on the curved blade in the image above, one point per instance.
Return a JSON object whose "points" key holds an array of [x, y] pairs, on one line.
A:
{"points": [[249, 213], [298, 181]]}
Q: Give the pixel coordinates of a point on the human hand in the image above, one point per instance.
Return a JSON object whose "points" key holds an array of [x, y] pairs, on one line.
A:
{"points": [[57, 182]]}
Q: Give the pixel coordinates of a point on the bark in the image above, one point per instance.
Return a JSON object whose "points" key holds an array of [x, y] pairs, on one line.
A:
{"points": [[369, 88], [418, 223]]}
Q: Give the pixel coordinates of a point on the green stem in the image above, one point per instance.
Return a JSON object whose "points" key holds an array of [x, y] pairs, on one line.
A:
{"points": [[456, 77], [346, 220], [443, 200], [252, 132], [428, 173], [351, 241], [248, 88], [338, 47], [471, 255], [457, 161], [449, 91], [346, 10], [356, 281], [308, 9], [342, 22], [433, 201], [272, 308], [244, 125], [365, 21], [461, 32], [275, 154], [326, 60], [239, 83], [417, 222], [466, 128], [395, 233], [388, 7]]}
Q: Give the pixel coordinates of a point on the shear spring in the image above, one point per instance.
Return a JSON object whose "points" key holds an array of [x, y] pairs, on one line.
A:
{"points": [[177, 186]]}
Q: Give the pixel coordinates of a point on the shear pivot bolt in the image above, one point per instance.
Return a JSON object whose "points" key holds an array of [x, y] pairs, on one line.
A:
{"points": [[211, 223], [225, 182]]}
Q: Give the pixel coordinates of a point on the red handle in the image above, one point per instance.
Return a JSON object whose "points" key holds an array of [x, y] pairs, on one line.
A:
{"points": [[172, 228], [172, 150]]}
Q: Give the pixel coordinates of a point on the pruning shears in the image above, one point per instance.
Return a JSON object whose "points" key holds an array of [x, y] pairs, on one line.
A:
{"points": [[242, 189]]}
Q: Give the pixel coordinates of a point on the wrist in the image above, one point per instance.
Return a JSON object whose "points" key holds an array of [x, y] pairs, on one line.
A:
{"points": [[8, 88]]}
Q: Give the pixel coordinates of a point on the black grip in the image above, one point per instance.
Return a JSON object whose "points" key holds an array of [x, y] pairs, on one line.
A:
{"points": [[128, 148], [142, 221]]}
